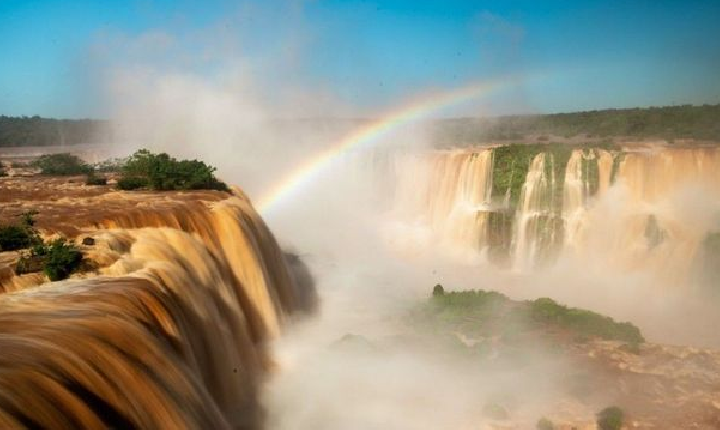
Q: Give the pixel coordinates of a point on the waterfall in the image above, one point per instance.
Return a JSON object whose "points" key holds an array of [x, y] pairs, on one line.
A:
{"points": [[449, 193], [632, 208], [170, 331], [667, 203], [574, 196], [605, 161], [532, 213]]}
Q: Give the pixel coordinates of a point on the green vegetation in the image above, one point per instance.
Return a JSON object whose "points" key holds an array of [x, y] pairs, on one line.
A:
{"points": [[489, 313], [57, 259], [61, 259], [544, 424], [131, 183], [670, 122], [438, 290], [63, 164], [512, 162], [610, 418], [36, 131], [14, 237], [162, 172], [510, 167], [584, 323]]}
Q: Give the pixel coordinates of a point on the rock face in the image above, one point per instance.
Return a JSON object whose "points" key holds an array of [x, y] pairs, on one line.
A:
{"points": [[166, 330]]}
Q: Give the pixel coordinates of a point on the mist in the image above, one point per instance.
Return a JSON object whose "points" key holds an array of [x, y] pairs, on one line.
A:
{"points": [[257, 122]]}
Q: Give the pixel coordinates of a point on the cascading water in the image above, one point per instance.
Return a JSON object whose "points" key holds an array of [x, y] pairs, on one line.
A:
{"points": [[533, 213], [575, 194], [169, 333], [449, 193], [665, 203], [623, 206]]}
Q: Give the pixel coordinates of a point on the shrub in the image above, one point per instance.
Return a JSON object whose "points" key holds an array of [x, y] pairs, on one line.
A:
{"points": [[163, 172], [131, 183], [438, 290], [64, 164], [610, 418], [19, 236], [544, 424], [14, 237], [583, 322], [28, 218], [61, 259]]}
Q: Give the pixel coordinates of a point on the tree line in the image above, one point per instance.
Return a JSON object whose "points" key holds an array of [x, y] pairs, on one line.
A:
{"points": [[37, 131], [669, 122]]}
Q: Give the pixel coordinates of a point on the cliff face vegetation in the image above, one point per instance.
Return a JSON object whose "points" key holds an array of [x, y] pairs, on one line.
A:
{"points": [[166, 324]]}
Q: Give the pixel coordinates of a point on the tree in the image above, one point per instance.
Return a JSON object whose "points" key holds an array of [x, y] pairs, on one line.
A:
{"points": [[61, 259], [438, 290], [14, 237], [63, 164], [131, 183], [162, 172]]}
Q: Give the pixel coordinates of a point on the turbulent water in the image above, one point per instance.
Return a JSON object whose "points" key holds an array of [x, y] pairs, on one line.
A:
{"points": [[170, 333], [649, 207]]}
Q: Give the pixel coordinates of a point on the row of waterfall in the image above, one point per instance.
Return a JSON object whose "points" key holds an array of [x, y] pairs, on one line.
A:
{"points": [[523, 206]]}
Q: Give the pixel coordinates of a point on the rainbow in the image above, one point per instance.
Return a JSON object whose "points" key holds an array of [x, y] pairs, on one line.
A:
{"points": [[373, 131]]}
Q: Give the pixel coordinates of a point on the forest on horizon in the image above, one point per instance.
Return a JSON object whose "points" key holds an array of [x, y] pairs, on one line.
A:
{"points": [[669, 122]]}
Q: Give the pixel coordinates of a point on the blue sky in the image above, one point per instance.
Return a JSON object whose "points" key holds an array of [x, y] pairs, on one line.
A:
{"points": [[592, 54]]}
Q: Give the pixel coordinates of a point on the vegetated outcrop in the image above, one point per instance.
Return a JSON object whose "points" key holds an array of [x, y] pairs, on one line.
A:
{"points": [[595, 361]]}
